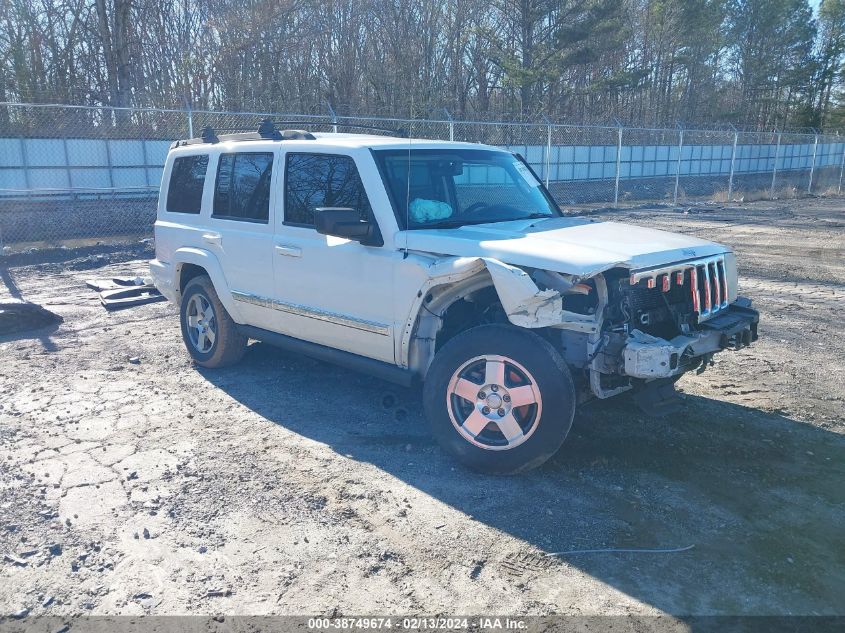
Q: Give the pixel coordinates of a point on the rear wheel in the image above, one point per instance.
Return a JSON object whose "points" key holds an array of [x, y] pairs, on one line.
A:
{"points": [[499, 398], [211, 336]]}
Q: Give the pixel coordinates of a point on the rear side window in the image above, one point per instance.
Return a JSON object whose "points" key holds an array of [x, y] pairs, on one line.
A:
{"points": [[322, 180], [242, 190], [184, 193]]}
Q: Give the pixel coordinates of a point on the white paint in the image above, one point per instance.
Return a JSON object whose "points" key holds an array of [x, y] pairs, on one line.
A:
{"points": [[576, 246]]}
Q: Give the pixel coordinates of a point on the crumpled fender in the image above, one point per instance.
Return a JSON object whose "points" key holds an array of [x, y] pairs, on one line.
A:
{"points": [[524, 303], [529, 307]]}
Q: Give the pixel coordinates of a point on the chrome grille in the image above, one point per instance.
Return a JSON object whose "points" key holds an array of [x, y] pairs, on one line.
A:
{"points": [[706, 279]]}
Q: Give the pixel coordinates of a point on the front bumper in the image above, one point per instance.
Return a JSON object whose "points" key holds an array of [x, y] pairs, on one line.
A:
{"points": [[650, 357]]}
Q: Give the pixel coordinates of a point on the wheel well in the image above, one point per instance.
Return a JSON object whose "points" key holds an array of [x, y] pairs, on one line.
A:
{"points": [[480, 307], [188, 272], [451, 309]]}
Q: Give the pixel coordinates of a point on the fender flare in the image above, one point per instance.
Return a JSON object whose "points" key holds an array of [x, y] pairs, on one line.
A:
{"points": [[209, 262], [421, 333]]}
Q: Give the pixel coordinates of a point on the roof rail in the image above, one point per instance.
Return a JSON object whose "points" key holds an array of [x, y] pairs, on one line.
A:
{"points": [[397, 131], [269, 129]]}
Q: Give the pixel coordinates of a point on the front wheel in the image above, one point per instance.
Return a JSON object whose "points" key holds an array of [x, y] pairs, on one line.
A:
{"points": [[499, 398]]}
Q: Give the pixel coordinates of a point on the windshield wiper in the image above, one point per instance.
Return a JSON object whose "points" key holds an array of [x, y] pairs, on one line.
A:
{"points": [[451, 224]]}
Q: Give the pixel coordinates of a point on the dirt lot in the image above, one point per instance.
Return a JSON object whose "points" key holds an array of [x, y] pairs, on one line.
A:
{"points": [[284, 486]]}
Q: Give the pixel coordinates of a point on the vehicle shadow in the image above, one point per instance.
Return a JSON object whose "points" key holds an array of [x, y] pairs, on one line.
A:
{"points": [[20, 319], [759, 495], [10, 283]]}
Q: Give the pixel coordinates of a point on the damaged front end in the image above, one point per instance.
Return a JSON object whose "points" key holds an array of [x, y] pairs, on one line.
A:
{"points": [[648, 357], [625, 328], [618, 328], [660, 323]]}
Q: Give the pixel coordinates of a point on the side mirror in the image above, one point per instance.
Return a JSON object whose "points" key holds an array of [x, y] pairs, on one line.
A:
{"points": [[347, 223]]}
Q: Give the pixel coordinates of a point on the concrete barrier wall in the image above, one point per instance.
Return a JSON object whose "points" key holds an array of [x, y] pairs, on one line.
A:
{"points": [[31, 164], [574, 163], [79, 167]]}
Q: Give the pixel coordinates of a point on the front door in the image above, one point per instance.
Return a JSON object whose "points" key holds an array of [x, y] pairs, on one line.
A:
{"points": [[330, 290]]}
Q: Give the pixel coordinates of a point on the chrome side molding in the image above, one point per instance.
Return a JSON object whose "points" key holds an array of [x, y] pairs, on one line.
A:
{"points": [[313, 313]]}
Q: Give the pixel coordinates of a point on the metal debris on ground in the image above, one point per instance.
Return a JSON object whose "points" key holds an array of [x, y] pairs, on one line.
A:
{"points": [[117, 293], [112, 283]]}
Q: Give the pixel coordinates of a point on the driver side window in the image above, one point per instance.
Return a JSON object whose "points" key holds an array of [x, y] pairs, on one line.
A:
{"points": [[322, 180]]}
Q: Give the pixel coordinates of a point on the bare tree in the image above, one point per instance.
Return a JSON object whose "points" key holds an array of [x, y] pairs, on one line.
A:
{"points": [[649, 61]]}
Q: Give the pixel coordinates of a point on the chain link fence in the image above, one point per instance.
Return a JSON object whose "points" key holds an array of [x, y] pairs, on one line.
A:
{"points": [[76, 174]]}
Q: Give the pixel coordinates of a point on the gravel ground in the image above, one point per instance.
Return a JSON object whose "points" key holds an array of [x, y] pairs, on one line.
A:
{"points": [[133, 482]]}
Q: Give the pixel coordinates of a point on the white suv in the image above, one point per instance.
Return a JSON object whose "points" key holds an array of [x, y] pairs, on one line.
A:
{"points": [[442, 263]]}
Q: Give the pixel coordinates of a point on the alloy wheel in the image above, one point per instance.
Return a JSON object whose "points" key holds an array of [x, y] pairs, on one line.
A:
{"points": [[494, 402], [202, 324]]}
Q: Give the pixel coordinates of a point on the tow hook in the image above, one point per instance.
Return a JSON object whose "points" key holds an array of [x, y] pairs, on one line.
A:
{"points": [[738, 340]]}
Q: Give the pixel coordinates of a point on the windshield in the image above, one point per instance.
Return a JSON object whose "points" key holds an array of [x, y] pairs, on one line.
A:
{"points": [[433, 188]]}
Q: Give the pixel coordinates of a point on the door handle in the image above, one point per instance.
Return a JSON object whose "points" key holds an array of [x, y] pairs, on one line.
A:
{"points": [[288, 251], [213, 238]]}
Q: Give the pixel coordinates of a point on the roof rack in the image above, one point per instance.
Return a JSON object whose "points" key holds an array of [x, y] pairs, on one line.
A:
{"points": [[376, 128], [269, 129]]}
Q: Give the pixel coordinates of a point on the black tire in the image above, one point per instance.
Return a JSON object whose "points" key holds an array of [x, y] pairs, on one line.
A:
{"points": [[552, 415], [229, 345]]}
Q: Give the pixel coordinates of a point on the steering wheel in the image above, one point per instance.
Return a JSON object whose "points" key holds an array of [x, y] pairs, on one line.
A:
{"points": [[476, 206]]}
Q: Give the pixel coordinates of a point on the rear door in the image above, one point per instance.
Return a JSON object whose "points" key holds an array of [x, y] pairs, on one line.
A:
{"points": [[240, 229], [330, 290]]}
